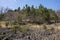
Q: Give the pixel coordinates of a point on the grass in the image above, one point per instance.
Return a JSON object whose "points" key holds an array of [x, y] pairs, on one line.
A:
{"points": [[21, 29], [25, 29]]}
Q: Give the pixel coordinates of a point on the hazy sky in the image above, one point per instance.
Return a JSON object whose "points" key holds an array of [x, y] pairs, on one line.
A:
{"points": [[13, 4]]}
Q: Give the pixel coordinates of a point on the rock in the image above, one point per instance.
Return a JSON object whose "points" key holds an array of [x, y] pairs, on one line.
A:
{"points": [[30, 35]]}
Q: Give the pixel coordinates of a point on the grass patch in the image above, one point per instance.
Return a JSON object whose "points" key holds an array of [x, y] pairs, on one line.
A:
{"points": [[24, 29], [21, 29]]}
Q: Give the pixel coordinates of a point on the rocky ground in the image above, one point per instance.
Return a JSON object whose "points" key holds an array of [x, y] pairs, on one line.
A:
{"points": [[8, 34]]}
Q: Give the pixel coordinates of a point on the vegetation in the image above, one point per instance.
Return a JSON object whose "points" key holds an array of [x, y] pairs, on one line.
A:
{"points": [[15, 29], [21, 29], [1, 16], [13, 23], [37, 15], [52, 29], [25, 29], [44, 27]]}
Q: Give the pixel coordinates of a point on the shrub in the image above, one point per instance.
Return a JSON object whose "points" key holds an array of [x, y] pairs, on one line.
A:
{"points": [[52, 29], [21, 29], [24, 29], [15, 28], [44, 27]]}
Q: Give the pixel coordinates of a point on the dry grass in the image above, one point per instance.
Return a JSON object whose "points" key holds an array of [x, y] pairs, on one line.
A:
{"points": [[37, 27]]}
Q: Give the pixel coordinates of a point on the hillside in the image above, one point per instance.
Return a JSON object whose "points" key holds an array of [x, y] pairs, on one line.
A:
{"points": [[29, 23]]}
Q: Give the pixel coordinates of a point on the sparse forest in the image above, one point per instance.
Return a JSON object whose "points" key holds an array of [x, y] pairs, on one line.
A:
{"points": [[31, 14]]}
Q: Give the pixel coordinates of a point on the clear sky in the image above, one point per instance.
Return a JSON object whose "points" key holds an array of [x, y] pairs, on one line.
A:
{"points": [[13, 4]]}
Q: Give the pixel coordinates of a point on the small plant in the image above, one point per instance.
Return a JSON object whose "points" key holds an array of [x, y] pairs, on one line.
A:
{"points": [[24, 29], [52, 29], [15, 29], [44, 27], [7, 24]]}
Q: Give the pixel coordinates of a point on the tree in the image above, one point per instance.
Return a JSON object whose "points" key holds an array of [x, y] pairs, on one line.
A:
{"points": [[27, 9], [18, 8], [1, 16], [33, 10], [1, 13]]}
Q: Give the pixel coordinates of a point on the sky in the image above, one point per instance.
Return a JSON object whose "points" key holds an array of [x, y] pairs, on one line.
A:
{"points": [[13, 4]]}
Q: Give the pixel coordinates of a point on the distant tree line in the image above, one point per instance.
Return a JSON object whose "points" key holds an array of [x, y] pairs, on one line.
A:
{"points": [[38, 15]]}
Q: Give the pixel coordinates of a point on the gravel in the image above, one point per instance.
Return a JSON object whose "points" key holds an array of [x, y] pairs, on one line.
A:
{"points": [[30, 35]]}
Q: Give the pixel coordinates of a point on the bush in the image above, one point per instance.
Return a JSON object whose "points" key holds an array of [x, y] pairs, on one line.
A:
{"points": [[52, 29], [44, 27], [15, 28], [21, 29], [24, 29]]}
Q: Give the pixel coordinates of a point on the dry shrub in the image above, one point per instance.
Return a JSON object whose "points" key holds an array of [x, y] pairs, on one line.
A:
{"points": [[21, 29], [44, 27], [24, 29]]}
